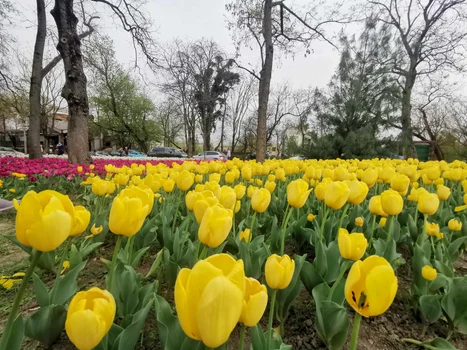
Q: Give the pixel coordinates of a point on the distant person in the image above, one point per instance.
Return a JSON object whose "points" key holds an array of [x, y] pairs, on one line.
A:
{"points": [[121, 152], [229, 154], [60, 149], [126, 151]]}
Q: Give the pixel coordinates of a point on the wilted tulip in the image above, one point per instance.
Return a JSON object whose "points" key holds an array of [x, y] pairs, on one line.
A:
{"points": [[455, 225]]}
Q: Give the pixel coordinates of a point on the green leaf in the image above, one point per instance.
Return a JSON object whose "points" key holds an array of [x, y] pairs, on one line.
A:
{"points": [[258, 340], [453, 248], [332, 324], [310, 276], [89, 249], [17, 334], [136, 258], [430, 307], [320, 261], [129, 337], [440, 344], [453, 304], [67, 286], [46, 324], [170, 333], [42, 294], [75, 256]]}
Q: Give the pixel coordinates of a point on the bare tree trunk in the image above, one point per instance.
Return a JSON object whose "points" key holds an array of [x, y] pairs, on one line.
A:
{"points": [[34, 131], [265, 83], [74, 91], [408, 149]]}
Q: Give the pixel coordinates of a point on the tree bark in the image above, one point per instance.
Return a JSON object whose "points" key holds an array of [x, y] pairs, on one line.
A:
{"points": [[34, 131], [74, 91], [408, 149], [265, 83]]}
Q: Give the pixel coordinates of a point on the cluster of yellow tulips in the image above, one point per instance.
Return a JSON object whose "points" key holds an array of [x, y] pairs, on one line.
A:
{"points": [[225, 228]]}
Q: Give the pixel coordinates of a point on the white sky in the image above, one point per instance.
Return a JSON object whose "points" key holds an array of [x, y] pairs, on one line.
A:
{"points": [[191, 19]]}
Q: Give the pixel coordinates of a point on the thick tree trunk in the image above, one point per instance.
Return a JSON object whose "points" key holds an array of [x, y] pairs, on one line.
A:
{"points": [[265, 83], [74, 91], [34, 131], [408, 149], [193, 132]]}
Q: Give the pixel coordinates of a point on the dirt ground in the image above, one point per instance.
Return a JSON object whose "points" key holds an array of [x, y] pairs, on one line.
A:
{"points": [[383, 333]]}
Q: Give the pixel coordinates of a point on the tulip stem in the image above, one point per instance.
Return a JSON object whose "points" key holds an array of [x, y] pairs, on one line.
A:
{"points": [[203, 252], [252, 224], [373, 223], [391, 223], [176, 210], [419, 343], [129, 249], [241, 345], [284, 229], [341, 221], [345, 266], [420, 238], [114, 262], [19, 296], [355, 330], [59, 268], [321, 231], [271, 317]]}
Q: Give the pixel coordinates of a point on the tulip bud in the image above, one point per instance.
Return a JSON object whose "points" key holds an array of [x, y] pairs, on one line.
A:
{"points": [[455, 225], [351, 246], [279, 271], [260, 200], [185, 180], [428, 203], [391, 202], [443, 192], [429, 273], [310, 217], [358, 192], [359, 221], [297, 193], [336, 195], [215, 226], [82, 217], [245, 235]]}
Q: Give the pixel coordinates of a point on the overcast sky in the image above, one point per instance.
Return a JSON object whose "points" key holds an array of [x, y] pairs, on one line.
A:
{"points": [[193, 19]]}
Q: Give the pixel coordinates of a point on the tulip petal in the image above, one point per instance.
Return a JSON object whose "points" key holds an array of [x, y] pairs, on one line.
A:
{"points": [[381, 288], [29, 213], [274, 279], [231, 268], [254, 310], [48, 234], [85, 329], [219, 310], [187, 319]]}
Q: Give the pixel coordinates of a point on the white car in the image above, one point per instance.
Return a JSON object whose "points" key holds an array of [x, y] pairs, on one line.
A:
{"points": [[210, 155]]}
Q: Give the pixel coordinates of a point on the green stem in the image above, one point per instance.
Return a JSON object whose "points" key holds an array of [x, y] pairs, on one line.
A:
{"points": [[241, 345], [321, 231], [433, 247], [252, 224], [203, 252], [114, 262], [391, 223], [341, 221], [284, 229], [197, 249], [176, 210], [422, 235], [129, 249], [419, 343], [233, 223], [356, 328], [285, 216], [345, 266], [373, 223], [59, 268], [19, 297], [271, 317]]}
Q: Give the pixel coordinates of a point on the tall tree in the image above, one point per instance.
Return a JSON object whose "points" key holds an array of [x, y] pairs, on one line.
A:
{"points": [[432, 34], [272, 24]]}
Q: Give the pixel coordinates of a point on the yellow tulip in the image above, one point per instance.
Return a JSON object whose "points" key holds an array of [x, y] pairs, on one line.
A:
{"points": [[382, 222], [127, 215], [240, 191], [136, 180], [359, 221], [227, 197], [209, 298], [351, 246], [428, 203], [443, 192], [121, 179], [96, 230], [185, 180], [215, 177], [270, 186], [79, 169], [247, 173], [169, 185], [297, 193], [280, 174], [230, 177], [89, 318], [279, 271], [392, 202], [310, 217], [44, 220], [198, 178], [336, 195], [358, 192], [370, 176], [320, 190], [254, 303], [238, 206], [215, 226], [146, 195], [432, 229], [190, 199], [429, 273], [82, 218], [371, 286], [245, 235], [260, 200], [455, 225], [433, 173], [400, 183], [251, 190], [99, 187]]}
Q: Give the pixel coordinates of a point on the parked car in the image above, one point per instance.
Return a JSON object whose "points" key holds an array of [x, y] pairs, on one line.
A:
{"points": [[301, 157], [8, 150], [168, 152], [253, 156], [134, 153], [210, 155]]}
